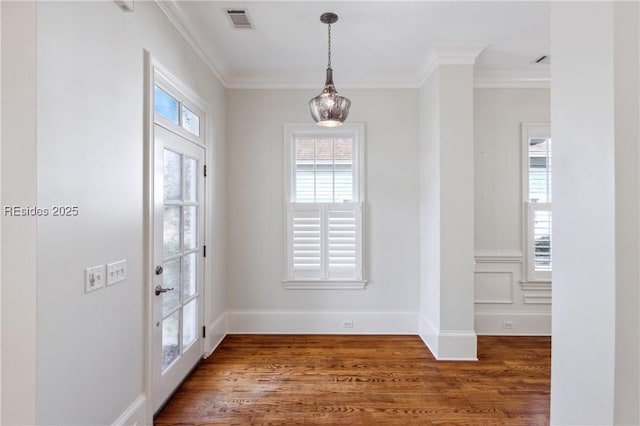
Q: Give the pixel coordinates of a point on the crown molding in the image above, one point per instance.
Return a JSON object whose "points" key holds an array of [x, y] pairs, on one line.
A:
{"points": [[446, 53], [181, 23], [256, 82], [512, 79], [457, 53]]}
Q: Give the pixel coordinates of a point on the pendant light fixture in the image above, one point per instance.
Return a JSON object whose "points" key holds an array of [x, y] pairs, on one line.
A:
{"points": [[329, 109]]}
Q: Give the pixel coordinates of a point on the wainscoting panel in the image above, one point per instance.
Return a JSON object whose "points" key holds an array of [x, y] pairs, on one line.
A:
{"points": [[504, 304], [493, 287]]}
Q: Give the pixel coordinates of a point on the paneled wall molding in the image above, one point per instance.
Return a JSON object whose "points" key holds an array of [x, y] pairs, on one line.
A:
{"points": [[499, 257], [536, 285], [536, 292], [536, 299], [493, 287]]}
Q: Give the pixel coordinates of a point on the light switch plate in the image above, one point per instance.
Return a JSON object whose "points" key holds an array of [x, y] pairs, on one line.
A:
{"points": [[94, 278], [116, 272]]}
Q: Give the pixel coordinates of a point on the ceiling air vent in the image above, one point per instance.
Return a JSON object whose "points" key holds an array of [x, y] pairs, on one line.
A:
{"points": [[239, 19], [544, 59]]}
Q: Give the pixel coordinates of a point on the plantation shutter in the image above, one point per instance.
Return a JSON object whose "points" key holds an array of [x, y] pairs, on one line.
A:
{"points": [[305, 241], [540, 227], [324, 241], [343, 241]]}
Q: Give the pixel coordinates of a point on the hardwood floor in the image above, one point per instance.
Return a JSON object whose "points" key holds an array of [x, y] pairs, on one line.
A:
{"points": [[364, 380]]}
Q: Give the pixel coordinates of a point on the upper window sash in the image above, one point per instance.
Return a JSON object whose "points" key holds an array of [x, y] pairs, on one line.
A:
{"points": [[536, 163], [337, 170]]}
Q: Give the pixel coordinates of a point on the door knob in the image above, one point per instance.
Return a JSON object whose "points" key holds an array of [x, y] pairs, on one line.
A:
{"points": [[159, 270], [160, 290]]}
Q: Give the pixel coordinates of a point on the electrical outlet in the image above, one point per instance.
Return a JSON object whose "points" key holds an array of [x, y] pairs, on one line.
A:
{"points": [[94, 278], [116, 272], [508, 325], [347, 324]]}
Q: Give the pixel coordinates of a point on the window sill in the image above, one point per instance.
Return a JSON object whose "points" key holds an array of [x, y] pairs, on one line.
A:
{"points": [[324, 284]]}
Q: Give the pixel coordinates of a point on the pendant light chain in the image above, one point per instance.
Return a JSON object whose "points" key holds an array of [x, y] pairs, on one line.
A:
{"points": [[329, 66]]}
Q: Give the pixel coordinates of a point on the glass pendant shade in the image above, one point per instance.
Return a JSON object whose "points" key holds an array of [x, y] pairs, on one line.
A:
{"points": [[329, 109]]}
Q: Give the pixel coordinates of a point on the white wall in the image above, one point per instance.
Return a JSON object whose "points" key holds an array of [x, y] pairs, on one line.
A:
{"points": [[500, 294], [430, 208], [456, 198], [596, 234], [627, 133], [256, 217], [91, 350], [18, 233]]}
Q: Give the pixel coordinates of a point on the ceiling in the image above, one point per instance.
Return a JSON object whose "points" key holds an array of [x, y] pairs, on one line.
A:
{"points": [[375, 44]]}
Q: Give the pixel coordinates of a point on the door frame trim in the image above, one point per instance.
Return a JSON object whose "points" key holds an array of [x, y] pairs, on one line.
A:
{"points": [[151, 66]]}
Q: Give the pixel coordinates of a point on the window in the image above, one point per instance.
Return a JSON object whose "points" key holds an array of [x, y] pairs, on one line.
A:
{"points": [[537, 165], [323, 197], [174, 112]]}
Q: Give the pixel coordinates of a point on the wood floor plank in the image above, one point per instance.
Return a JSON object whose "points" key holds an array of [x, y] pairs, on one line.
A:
{"points": [[363, 380]]}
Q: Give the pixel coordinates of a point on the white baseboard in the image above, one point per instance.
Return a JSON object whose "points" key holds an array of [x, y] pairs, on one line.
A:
{"points": [[215, 333], [135, 415], [283, 322], [429, 335], [448, 345], [524, 323]]}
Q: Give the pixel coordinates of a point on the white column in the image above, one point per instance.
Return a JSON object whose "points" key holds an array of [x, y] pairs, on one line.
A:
{"points": [[446, 192], [594, 104]]}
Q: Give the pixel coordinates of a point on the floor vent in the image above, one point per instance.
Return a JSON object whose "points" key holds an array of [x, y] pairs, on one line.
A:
{"points": [[239, 19]]}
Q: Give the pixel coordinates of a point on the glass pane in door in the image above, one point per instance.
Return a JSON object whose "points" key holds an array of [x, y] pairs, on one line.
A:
{"points": [[190, 227], [170, 339], [190, 179], [189, 275], [172, 230], [189, 323], [172, 175]]}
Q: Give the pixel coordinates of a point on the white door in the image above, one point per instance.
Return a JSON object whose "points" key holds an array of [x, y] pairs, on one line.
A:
{"points": [[178, 251]]}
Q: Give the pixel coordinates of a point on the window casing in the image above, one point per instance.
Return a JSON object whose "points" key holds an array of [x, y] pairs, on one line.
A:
{"points": [[537, 190], [323, 204]]}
